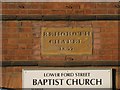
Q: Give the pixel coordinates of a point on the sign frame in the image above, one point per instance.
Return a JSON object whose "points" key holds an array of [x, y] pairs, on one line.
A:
{"points": [[74, 68], [58, 45]]}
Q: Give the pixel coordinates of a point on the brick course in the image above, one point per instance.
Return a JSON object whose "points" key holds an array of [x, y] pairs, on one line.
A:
{"points": [[59, 8]]}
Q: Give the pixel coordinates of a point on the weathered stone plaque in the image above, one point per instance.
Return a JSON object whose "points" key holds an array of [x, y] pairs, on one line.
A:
{"points": [[66, 41]]}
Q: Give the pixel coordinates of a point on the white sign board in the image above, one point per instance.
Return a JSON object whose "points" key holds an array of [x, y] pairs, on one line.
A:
{"points": [[67, 78]]}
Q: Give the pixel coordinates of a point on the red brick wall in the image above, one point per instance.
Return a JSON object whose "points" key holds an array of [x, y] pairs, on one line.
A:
{"points": [[60, 8], [21, 39]]}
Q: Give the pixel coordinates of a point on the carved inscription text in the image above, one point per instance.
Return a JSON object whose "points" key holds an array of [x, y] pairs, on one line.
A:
{"points": [[66, 41]]}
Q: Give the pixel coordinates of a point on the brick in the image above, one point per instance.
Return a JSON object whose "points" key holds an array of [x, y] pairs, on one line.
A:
{"points": [[12, 24], [23, 12], [36, 30], [74, 5], [101, 5], [12, 69], [8, 30], [109, 29], [113, 24], [115, 52], [29, 46], [96, 30], [36, 52], [70, 12], [53, 58], [10, 12], [97, 41], [26, 24], [111, 35], [34, 57], [8, 6], [97, 24], [37, 33], [11, 52], [10, 46], [96, 52], [84, 24], [12, 41], [109, 46], [112, 5], [113, 11], [24, 58], [97, 46], [33, 5], [55, 24], [25, 29], [105, 52], [19, 6], [75, 58], [115, 57], [99, 11], [88, 11], [109, 41], [36, 46], [14, 78], [54, 12], [79, 12], [37, 24], [36, 41], [108, 35], [94, 57], [7, 58], [27, 40], [96, 35], [4, 41], [36, 12], [54, 5], [72, 24], [25, 35], [10, 35], [106, 57], [22, 46], [22, 52], [90, 5]]}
